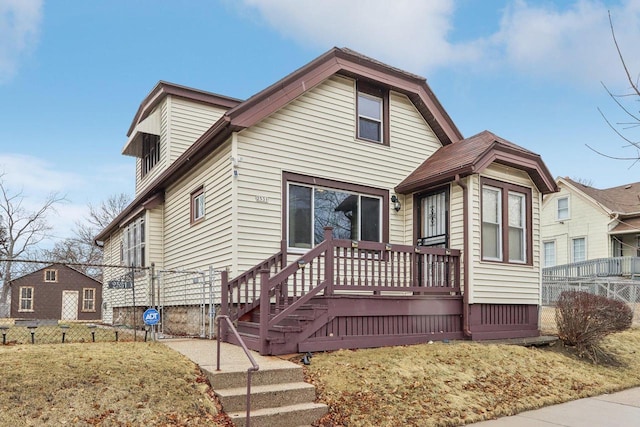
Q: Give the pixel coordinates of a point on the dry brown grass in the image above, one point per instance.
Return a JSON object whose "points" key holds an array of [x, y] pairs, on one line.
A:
{"points": [[122, 384], [107, 384], [459, 383]]}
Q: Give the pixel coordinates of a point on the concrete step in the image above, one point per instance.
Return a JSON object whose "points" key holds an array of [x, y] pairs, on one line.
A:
{"points": [[284, 416], [234, 379], [266, 396]]}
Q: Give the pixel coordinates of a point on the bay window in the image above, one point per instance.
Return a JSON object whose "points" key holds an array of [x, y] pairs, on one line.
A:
{"points": [[506, 222]]}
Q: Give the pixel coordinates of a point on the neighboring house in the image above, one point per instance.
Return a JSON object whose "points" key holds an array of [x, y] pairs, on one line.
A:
{"points": [[581, 223], [432, 235], [56, 292]]}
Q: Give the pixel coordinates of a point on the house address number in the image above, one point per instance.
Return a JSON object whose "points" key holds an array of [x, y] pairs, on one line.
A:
{"points": [[262, 199]]}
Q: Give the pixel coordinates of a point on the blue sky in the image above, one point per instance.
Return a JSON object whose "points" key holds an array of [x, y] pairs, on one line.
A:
{"points": [[73, 73]]}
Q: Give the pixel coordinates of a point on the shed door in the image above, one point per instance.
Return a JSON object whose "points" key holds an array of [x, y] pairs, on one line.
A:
{"points": [[433, 218], [69, 305]]}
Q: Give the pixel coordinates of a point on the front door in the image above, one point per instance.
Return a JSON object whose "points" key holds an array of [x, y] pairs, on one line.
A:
{"points": [[69, 305], [433, 219]]}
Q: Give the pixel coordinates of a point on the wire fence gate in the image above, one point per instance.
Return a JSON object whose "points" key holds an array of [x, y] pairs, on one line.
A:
{"points": [[186, 301]]}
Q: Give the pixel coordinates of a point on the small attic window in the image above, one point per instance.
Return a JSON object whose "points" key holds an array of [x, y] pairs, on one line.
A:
{"points": [[150, 152], [51, 275], [372, 105]]}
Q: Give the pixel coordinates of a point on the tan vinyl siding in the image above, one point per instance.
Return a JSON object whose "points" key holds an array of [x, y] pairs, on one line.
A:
{"points": [[182, 122], [456, 225], [586, 219], [209, 242], [155, 244], [498, 283], [315, 135], [189, 120]]}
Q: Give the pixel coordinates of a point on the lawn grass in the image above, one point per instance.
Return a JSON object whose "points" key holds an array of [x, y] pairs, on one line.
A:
{"points": [[106, 384], [439, 384], [449, 384]]}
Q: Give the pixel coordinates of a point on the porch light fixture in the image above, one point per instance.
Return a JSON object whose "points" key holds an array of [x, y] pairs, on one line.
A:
{"points": [[354, 243], [301, 264], [387, 246], [396, 203]]}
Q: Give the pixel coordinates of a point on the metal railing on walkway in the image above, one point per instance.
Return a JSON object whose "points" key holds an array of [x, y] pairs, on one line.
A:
{"points": [[254, 366]]}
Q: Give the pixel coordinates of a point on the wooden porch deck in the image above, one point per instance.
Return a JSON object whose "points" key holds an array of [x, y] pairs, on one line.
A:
{"points": [[347, 294]]}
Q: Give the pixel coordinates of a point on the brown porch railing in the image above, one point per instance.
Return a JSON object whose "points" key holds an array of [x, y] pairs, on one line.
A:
{"points": [[338, 266]]}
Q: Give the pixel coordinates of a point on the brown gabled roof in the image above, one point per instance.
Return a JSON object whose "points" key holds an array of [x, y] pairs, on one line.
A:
{"points": [[623, 199], [245, 114], [473, 155]]}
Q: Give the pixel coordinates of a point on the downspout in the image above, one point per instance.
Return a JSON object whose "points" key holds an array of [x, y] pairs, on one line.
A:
{"points": [[465, 255]]}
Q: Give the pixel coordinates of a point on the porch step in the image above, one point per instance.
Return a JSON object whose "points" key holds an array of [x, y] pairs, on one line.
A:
{"points": [[284, 416], [266, 396], [279, 396]]}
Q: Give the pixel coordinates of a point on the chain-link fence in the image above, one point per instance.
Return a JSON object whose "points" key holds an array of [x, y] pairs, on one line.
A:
{"points": [[627, 291], [186, 301], [54, 302]]}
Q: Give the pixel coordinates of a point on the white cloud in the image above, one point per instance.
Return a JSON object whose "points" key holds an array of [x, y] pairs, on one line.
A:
{"points": [[572, 44], [569, 44], [407, 33], [19, 28]]}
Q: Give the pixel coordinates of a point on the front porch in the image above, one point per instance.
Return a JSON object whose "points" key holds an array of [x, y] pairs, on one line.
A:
{"points": [[358, 294]]}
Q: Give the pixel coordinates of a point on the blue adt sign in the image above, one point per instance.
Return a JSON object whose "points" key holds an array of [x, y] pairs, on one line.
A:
{"points": [[151, 316]]}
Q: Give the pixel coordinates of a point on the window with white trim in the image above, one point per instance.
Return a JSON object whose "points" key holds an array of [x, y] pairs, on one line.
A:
{"points": [[506, 222], [133, 243], [88, 299], [51, 275], [562, 211], [25, 298], [579, 249], [352, 215], [549, 253], [197, 205]]}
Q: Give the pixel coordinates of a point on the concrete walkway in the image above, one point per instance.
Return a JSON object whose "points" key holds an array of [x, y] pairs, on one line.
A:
{"points": [[620, 409], [232, 357]]}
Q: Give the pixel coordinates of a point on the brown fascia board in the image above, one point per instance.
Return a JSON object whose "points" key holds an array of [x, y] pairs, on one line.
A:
{"points": [[520, 159], [162, 89], [435, 180], [345, 62], [496, 152]]}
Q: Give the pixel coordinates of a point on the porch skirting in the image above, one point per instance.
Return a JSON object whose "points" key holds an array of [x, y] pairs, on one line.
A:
{"points": [[502, 321]]}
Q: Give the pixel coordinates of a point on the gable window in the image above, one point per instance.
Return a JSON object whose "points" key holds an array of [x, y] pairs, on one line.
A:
{"points": [[88, 299], [150, 152], [549, 254], [26, 298], [197, 205], [354, 212], [133, 243], [579, 249], [562, 211], [506, 222], [373, 113], [51, 275]]}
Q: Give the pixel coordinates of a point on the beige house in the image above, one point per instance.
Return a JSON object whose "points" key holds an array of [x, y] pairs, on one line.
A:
{"points": [[445, 230], [581, 223]]}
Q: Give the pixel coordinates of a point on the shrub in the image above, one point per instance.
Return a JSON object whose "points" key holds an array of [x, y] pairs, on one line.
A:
{"points": [[584, 319]]}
